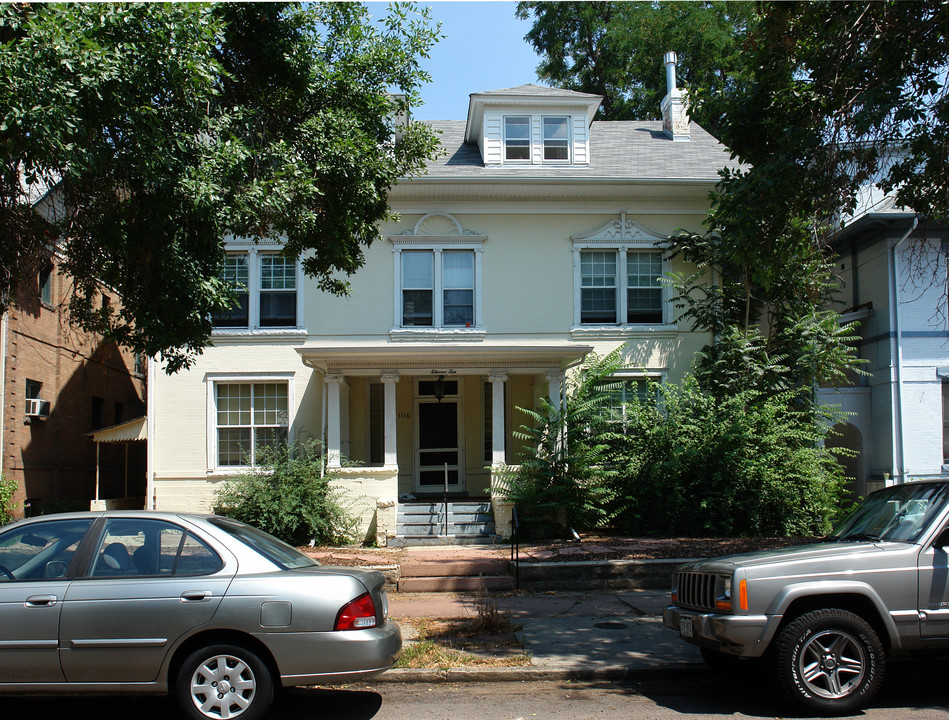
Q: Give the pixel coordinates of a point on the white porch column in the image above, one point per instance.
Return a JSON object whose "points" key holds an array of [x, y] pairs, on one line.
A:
{"points": [[498, 438], [554, 387], [333, 421], [391, 453]]}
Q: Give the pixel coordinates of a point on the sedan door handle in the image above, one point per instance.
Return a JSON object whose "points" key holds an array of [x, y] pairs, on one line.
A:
{"points": [[41, 601], [195, 595]]}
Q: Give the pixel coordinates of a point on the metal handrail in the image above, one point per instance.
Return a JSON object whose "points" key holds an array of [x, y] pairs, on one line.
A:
{"points": [[515, 547]]}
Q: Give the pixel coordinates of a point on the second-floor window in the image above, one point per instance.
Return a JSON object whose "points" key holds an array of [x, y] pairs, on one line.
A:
{"points": [[266, 289], [621, 287], [438, 288]]}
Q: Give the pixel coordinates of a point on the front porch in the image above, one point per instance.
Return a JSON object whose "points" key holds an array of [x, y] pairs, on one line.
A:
{"points": [[414, 424]]}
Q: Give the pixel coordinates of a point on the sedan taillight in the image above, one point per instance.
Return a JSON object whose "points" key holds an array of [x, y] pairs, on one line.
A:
{"points": [[357, 614]]}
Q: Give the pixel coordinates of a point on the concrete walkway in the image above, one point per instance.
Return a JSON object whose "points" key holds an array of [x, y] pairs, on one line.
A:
{"points": [[567, 635]]}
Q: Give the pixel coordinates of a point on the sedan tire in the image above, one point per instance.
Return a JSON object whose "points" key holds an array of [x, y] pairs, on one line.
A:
{"points": [[830, 662], [220, 682]]}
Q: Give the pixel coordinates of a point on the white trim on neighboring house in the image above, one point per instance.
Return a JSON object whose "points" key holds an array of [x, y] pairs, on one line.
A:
{"points": [[620, 236], [211, 380], [254, 331]]}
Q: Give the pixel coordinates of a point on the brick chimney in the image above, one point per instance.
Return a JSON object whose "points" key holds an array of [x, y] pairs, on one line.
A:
{"points": [[675, 118]]}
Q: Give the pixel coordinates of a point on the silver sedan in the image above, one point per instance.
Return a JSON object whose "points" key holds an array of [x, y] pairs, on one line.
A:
{"points": [[207, 608]]}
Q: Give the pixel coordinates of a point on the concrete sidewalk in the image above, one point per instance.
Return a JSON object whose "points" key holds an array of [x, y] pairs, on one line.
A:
{"points": [[567, 635]]}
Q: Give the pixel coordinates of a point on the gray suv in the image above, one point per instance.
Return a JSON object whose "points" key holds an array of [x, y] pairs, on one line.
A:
{"points": [[824, 617]]}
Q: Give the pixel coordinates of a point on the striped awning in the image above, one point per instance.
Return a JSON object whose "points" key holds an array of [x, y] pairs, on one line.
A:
{"points": [[129, 431]]}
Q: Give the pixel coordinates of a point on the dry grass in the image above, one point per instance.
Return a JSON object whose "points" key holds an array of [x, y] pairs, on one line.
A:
{"points": [[487, 640]]}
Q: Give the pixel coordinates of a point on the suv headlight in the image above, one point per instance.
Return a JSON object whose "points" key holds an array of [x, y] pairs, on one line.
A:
{"points": [[723, 593]]}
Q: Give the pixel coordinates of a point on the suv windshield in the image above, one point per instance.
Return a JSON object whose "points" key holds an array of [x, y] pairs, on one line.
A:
{"points": [[899, 513], [275, 550]]}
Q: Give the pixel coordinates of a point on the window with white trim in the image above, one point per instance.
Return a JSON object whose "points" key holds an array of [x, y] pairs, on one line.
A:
{"points": [[438, 288], [556, 138], [248, 416], [624, 390], [266, 287], [517, 137], [621, 286]]}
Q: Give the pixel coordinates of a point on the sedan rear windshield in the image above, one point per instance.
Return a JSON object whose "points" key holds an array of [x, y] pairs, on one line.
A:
{"points": [[275, 550]]}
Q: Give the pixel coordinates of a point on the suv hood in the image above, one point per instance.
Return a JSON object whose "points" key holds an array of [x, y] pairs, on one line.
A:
{"points": [[800, 553]]}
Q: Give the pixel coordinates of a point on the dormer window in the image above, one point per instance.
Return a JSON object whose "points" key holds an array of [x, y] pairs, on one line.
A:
{"points": [[517, 137], [556, 139]]}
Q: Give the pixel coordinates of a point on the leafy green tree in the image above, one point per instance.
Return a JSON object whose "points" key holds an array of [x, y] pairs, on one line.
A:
{"points": [[616, 49], [165, 127], [289, 496]]}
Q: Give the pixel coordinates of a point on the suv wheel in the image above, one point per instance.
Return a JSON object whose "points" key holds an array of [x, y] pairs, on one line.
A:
{"points": [[828, 661]]}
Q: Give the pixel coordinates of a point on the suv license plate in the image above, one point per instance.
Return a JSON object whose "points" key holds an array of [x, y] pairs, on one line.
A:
{"points": [[685, 627]]}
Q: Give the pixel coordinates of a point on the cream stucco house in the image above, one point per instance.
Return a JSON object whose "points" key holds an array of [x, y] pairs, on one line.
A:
{"points": [[529, 243]]}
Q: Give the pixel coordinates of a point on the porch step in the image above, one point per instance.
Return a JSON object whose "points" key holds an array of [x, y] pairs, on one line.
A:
{"points": [[465, 521]]}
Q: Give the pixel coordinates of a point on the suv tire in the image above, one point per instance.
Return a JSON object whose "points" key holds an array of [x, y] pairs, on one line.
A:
{"points": [[828, 661]]}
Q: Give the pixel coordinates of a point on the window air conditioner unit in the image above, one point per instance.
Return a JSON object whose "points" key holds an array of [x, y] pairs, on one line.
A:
{"points": [[36, 408]]}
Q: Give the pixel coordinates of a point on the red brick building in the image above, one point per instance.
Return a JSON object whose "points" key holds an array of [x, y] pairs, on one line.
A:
{"points": [[57, 385]]}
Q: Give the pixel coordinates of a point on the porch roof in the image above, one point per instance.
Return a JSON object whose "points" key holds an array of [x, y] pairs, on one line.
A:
{"points": [[424, 359]]}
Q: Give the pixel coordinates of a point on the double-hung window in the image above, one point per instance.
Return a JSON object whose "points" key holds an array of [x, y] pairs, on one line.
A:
{"points": [[556, 137], [623, 391], [438, 288], [234, 273], [266, 286], [278, 291], [517, 137], [621, 286], [249, 416]]}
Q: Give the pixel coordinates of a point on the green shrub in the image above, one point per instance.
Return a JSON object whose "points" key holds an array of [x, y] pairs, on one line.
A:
{"points": [[7, 506], [288, 495], [745, 464]]}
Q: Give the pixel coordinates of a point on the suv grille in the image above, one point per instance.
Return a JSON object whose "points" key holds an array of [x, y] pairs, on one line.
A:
{"points": [[696, 590]]}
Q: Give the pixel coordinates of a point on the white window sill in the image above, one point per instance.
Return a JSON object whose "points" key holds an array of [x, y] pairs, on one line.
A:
{"points": [[407, 334], [246, 335], [609, 332]]}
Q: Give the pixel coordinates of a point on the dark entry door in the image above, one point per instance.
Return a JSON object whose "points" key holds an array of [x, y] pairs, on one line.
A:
{"points": [[438, 446]]}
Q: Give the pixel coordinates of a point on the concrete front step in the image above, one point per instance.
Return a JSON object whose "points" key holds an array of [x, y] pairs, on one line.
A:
{"points": [[465, 583], [436, 568], [404, 540]]}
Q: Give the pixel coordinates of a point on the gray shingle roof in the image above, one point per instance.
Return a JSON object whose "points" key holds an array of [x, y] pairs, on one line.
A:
{"points": [[618, 149], [532, 90]]}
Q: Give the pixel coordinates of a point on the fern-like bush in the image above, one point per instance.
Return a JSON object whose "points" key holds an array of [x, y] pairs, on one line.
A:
{"points": [[288, 495]]}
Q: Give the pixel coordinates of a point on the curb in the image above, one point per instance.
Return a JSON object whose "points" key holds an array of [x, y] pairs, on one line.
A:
{"points": [[521, 674]]}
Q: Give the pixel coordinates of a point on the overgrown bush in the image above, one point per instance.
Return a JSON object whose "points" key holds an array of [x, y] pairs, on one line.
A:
{"points": [[288, 495], [745, 464], [681, 460], [7, 506]]}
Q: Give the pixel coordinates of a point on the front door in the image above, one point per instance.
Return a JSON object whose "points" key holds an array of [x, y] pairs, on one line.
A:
{"points": [[438, 458]]}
